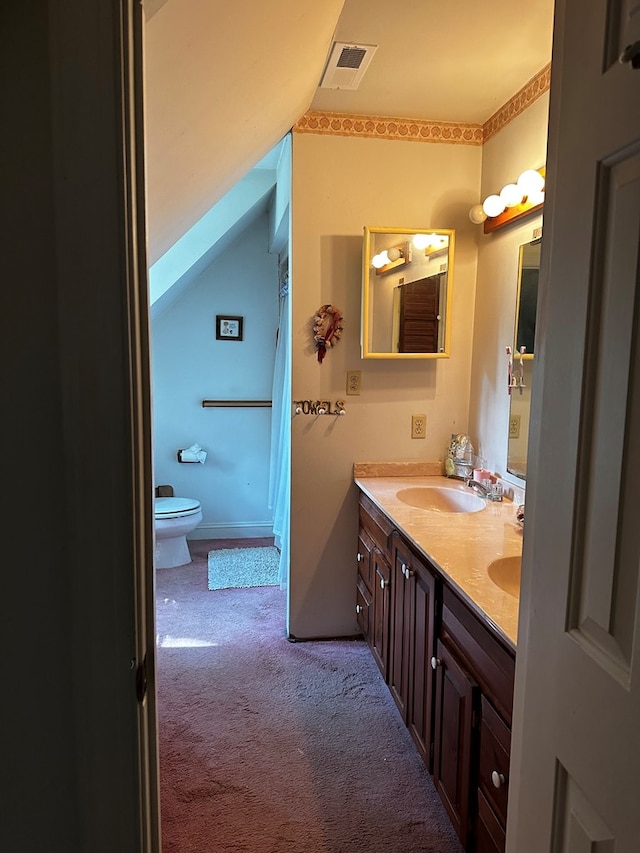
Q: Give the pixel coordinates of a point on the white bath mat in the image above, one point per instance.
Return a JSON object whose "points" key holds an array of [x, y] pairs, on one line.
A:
{"points": [[232, 568]]}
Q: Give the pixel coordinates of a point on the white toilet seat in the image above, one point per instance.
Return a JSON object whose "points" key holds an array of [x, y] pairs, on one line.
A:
{"points": [[176, 507]]}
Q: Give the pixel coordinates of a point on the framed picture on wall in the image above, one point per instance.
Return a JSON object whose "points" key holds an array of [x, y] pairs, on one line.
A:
{"points": [[228, 328]]}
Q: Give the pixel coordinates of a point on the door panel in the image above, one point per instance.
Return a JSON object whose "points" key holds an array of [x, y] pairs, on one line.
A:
{"points": [[575, 744]]}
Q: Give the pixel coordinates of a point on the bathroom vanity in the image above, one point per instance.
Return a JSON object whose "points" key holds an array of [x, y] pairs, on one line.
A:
{"points": [[437, 601]]}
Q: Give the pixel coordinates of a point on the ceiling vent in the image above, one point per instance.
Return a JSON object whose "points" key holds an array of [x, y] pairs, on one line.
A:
{"points": [[347, 64]]}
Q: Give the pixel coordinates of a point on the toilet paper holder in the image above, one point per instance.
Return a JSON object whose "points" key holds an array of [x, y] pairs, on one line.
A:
{"points": [[192, 454]]}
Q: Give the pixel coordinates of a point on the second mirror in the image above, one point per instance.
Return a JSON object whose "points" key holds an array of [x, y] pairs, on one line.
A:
{"points": [[406, 292]]}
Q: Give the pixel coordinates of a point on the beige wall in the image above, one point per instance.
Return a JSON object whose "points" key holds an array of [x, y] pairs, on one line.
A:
{"points": [[341, 184], [520, 145]]}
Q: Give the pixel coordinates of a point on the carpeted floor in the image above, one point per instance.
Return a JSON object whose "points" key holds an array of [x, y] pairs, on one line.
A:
{"points": [[232, 568], [268, 746]]}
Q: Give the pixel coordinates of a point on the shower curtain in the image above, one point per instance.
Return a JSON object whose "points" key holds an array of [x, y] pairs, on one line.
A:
{"points": [[280, 467]]}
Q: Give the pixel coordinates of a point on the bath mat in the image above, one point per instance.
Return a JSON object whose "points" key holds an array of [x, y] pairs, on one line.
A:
{"points": [[232, 568]]}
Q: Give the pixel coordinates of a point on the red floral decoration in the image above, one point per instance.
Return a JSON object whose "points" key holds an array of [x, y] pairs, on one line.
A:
{"points": [[327, 329]]}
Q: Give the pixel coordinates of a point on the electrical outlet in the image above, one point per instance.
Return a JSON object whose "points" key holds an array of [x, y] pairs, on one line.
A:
{"points": [[353, 382], [418, 426], [514, 426]]}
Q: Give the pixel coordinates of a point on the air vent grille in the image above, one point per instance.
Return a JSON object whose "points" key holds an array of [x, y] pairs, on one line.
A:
{"points": [[351, 57], [346, 65]]}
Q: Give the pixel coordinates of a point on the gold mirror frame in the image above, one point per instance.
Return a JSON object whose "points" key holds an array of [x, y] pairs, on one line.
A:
{"points": [[404, 260]]}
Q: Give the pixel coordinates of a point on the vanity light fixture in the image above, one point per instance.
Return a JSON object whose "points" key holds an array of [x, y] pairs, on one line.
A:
{"points": [[512, 203], [389, 259]]}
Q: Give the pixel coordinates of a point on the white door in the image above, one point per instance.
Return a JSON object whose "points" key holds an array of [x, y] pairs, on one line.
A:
{"points": [[575, 773]]}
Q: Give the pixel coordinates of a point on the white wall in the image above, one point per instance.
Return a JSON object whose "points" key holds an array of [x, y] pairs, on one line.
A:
{"points": [[189, 365], [518, 146], [339, 186]]}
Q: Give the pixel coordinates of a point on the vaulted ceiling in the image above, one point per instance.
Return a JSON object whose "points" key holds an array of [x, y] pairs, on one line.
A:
{"points": [[226, 80]]}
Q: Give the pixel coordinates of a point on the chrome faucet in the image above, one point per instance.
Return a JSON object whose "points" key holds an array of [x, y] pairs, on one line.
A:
{"points": [[479, 487], [493, 493]]}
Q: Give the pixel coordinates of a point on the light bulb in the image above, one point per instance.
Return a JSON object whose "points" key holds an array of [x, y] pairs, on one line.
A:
{"points": [[394, 254], [493, 205], [530, 182], [511, 194], [377, 261], [420, 241], [477, 214], [535, 199]]}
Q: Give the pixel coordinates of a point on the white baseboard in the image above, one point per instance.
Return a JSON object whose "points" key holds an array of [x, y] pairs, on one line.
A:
{"points": [[237, 530]]}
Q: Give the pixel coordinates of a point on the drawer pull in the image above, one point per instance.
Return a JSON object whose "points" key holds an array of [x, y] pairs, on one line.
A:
{"points": [[435, 662], [497, 779]]}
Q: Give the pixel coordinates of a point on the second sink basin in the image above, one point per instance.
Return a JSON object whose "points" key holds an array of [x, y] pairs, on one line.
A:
{"points": [[439, 499], [505, 573]]}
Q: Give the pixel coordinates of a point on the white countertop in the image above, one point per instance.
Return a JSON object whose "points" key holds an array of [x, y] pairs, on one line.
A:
{"points": [[460, 544]]}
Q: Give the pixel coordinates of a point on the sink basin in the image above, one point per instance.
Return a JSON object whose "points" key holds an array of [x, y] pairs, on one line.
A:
{"points": [[505, 573], [439, 499]]}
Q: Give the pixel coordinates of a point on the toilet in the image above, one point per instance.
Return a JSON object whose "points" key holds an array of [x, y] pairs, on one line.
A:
{"points": [[174, 519]]}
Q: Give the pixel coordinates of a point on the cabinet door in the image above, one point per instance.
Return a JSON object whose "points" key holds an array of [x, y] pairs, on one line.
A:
{"points": [[381, 611], [490, 834], [421, 649], [364, 613], [493, 765], [456, 700], [401, 625]]}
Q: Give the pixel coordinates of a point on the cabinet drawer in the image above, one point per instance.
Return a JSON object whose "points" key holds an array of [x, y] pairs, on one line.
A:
{"points": [[375, 523], [493, 767], [493, 664], [365, 564]]}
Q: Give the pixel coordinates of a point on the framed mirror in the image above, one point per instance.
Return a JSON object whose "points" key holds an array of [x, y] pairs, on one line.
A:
{"points": [[406, 292], [524, 336]]}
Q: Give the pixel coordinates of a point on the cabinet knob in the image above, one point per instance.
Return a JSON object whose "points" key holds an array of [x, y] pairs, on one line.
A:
{"points": [[435, 662], [497, 779], [383, 583], [404, 569], [359, 608], [359, 557]]}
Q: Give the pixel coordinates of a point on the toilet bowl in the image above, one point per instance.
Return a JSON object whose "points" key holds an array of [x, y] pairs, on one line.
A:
{"points": [[174, 519]]}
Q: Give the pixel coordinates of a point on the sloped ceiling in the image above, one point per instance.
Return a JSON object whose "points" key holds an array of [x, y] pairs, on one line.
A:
{"points": [[225, 81]]}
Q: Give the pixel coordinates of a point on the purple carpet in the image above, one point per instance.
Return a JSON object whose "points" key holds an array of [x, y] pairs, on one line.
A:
{"points": [[268, 746]]}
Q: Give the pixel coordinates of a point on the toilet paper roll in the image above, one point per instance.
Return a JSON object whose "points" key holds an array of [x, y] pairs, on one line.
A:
{"points": [[192, 454]]}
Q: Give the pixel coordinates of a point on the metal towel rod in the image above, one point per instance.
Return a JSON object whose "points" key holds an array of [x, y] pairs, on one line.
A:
{"points": [[229, 404]]}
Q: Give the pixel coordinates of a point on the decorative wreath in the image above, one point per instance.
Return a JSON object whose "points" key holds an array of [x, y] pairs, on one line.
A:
{"points": [[327, 329]]}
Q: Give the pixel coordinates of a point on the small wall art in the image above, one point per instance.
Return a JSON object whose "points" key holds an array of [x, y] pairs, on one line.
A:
{"points": [[228, 328]]}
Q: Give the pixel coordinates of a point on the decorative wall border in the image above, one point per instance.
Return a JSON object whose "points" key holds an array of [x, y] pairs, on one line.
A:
{"points": [[530, 92], [419, 130], [384, 127]]}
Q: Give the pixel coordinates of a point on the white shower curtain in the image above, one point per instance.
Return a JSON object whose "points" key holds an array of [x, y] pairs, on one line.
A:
{"points": [[280, 467]]}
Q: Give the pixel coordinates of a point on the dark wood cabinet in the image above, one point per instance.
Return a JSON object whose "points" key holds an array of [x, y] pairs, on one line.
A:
{"points": [[450, 674], [413, 632], [380, 636], [467, 644], [457, 697], [373, 594]]}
